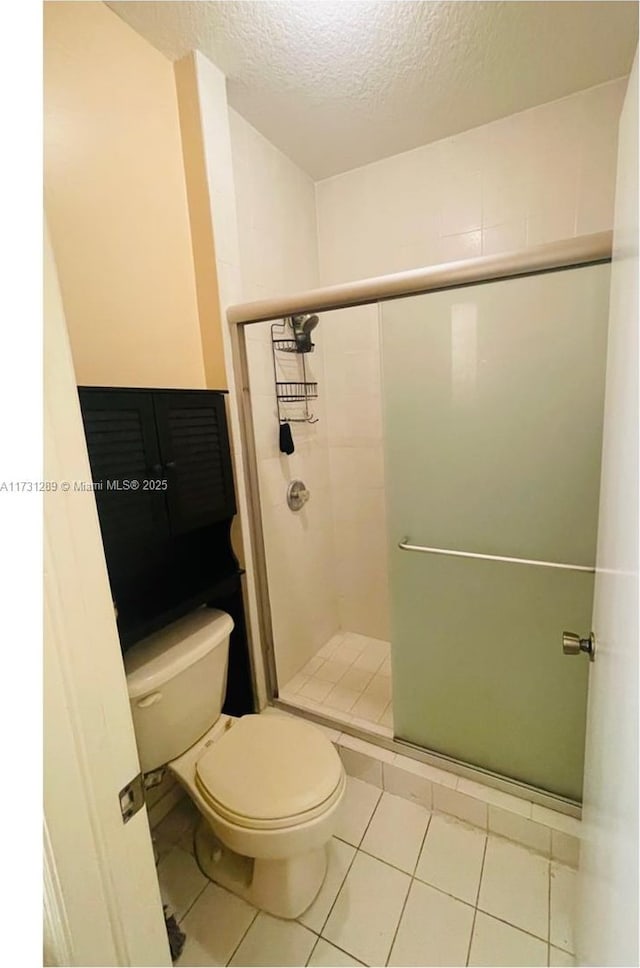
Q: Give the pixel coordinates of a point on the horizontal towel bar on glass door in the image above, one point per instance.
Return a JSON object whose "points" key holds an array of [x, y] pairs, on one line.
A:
{"points": [[405, 545]]}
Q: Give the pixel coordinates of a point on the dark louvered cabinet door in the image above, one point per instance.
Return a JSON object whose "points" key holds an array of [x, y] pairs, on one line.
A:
{"points": [[194, 451], [124, 456]]}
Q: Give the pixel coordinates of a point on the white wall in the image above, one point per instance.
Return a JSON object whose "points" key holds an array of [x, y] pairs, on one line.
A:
{"points": [[608, 921], [537, 176], [278, 254], [275, 205]]}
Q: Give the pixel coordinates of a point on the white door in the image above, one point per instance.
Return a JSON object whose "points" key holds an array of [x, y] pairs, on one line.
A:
{"points": [[102, 901], [608, 897]]}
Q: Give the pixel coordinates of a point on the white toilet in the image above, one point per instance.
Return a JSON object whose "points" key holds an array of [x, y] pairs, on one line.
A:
{"points": [[268, 787]]}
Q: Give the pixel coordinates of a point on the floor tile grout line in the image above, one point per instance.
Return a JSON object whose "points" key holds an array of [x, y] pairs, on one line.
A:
{"points": [[335, 900], [388, 863], [475, 907], [424, 839], [454, 897], [373, 813], [518, 927], [176, 846], [196, 898], [434, 887], [346, 873], [355, 854], [244, 935], [399, 921], [227, 891], [411, 882], [334, 945], [312, 950]]}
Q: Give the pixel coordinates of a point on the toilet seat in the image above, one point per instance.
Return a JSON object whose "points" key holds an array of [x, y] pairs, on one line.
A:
{"points": [[268, 773]]}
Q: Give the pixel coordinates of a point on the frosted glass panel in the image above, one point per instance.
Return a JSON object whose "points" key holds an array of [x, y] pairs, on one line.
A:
{"points": [[493, 399]]}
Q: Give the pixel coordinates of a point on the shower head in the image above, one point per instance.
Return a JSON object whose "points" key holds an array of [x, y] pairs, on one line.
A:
{"points": [[309, 324], [303, 325]]}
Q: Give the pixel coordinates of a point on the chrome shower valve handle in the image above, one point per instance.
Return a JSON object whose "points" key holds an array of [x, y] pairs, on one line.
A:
{"points": [[297, 495]]}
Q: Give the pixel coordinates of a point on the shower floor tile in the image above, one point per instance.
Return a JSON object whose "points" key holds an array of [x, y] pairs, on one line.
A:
{"points": [[349, 680]]}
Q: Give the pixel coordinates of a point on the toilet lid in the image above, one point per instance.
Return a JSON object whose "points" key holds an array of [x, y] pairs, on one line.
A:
{"points": [[269, 768]]}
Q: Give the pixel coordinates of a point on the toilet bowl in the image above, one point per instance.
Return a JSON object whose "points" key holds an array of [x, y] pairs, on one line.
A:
{"points": [[267, 787]]}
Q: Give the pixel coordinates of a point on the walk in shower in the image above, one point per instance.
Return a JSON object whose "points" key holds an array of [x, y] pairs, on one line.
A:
{"points": [[449, 539]]}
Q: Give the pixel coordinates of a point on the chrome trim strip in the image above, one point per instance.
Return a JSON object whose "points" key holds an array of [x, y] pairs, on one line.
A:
{"points": [[404, 545]]}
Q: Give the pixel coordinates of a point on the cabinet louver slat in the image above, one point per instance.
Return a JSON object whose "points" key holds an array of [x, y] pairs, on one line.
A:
{"points": [[194, 446], [122, 444]]}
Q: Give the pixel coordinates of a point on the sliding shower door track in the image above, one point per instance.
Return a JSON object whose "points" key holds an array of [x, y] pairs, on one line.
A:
{"points": [[496, 781]]}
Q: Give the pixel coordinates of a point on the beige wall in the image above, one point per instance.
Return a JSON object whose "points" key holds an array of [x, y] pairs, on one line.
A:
{"points": [[203, 244], [116, 202]]}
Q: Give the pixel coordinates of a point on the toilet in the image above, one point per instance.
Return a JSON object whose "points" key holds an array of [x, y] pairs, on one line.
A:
{"points": [[267, 787]]}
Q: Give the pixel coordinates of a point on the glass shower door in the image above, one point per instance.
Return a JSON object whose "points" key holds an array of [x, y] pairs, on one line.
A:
{"points": [[493, 400]]}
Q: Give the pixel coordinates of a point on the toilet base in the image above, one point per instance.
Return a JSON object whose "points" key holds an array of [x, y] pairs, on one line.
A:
{"points": [[284, 887]]}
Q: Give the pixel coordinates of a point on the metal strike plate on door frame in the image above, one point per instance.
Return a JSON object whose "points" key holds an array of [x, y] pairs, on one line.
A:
{"points": [[572, 644], [131, 798]]}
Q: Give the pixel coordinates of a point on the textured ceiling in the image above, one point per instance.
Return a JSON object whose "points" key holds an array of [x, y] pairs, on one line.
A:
{"points": [[337, 85]]}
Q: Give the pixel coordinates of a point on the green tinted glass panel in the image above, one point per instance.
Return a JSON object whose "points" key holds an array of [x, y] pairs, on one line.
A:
{"points": [[493, 400]]}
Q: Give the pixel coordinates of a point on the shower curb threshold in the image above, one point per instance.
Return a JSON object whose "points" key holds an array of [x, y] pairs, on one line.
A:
{"points": [[376, 760]]}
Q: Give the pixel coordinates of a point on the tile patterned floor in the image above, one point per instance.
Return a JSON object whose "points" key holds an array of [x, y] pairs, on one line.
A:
{"points": [[404, 887], [348, 680]]}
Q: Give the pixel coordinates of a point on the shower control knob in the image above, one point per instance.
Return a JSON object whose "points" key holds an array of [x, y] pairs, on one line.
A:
{"points": [[297, 495], [572, 644]]}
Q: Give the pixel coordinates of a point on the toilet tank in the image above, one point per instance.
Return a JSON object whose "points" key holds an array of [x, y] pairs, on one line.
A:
{"points": [[177, 680]]}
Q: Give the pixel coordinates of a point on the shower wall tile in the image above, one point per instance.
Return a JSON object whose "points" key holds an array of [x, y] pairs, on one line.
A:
{"points": [[496, 797], [504, 237], [565, 848], [552, 166], [453, 248], [356, 465], [516, 827], [276, 224], [408, 785], [460, 805]]}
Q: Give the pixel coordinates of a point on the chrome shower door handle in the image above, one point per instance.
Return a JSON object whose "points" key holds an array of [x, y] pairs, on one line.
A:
{"points": [[572, 644]]}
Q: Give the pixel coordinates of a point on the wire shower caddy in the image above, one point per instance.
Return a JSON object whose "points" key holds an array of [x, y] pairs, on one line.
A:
{"points": [[289, 392]]}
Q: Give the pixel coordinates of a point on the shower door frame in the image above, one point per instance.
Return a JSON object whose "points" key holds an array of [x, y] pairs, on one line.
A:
{"points": [[557, 256]]}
